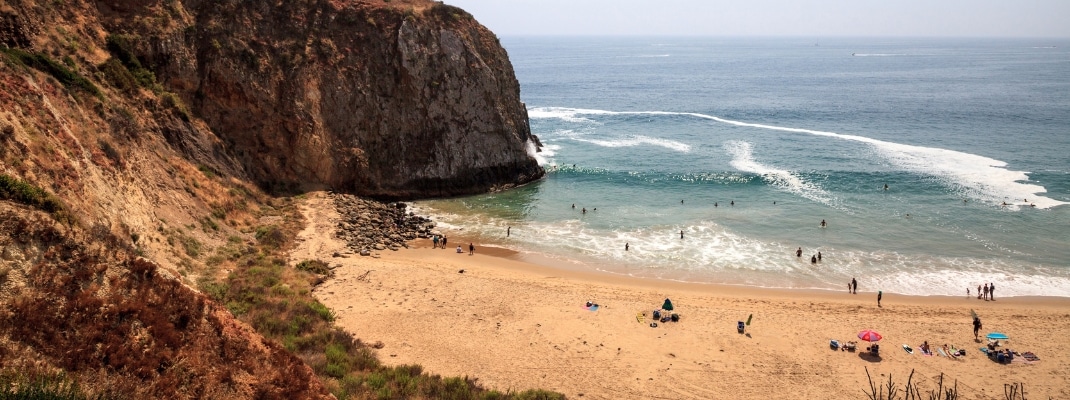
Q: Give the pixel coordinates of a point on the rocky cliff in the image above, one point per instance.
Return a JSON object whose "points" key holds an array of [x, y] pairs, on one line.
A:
{"points": [[401, 101]]}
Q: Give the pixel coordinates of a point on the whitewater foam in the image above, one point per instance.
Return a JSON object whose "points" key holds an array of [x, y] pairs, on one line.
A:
{"points": [[637, 140], [743, 160], [978, 177]]}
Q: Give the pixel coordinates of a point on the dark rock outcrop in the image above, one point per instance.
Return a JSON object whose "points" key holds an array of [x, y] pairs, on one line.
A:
{"points": [[389, 102], [369, 225]]}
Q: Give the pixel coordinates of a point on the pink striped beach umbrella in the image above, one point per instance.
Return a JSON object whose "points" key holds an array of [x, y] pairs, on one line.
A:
{"points": [[869, 335]]}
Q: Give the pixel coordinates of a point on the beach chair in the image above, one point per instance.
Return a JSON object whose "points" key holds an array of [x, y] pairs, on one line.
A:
{"points": [[874, 349], [850, 346], [740, 327]]}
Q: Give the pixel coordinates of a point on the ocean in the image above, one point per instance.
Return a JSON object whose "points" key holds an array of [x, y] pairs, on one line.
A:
{"points": [[745, 145]]}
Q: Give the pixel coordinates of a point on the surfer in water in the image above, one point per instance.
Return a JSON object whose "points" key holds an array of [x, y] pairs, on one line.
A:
{"points": [[822, 223]]}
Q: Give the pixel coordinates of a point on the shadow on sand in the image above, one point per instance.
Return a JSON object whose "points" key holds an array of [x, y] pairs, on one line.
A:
{"points": [[868, 356]]}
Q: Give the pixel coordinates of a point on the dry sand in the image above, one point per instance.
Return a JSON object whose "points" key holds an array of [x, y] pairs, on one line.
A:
{"points": [[518, 325]]}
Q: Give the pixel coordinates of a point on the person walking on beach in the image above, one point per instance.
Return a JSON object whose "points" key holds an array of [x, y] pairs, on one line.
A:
{"points": [[967, 292], [976, 327], [992, 291], [854, 287], [507, 229], [798, 252], [471, 249], [443, 241], [879, 294], [434, 242]]}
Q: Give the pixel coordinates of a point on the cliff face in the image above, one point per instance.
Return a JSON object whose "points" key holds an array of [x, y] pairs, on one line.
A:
{"points": [[153, 121], [397, 102]]}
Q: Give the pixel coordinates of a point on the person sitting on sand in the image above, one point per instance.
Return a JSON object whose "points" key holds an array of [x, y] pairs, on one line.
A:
{"points": [[459, 249], [925, 348]]}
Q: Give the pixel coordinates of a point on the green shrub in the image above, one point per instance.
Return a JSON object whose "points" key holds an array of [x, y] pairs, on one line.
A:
{"points": [[315, 267], [47, 387], [47, 65], [19, 191], [325, 313], [192, 246], [270, 236], [110, 151]]}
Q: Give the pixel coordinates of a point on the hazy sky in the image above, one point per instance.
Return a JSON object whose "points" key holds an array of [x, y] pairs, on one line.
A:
{"points": [[986, 18]]}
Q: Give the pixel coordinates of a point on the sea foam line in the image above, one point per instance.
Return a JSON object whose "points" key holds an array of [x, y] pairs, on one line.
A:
{"points": [[743, 160], [982, 178], [636, 141]]}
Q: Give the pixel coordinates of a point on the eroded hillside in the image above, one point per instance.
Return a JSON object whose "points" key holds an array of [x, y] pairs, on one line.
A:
{"points": [[158, 133]]}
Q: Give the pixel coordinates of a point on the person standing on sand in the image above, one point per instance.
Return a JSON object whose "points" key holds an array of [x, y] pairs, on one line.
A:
{"points": [[434, 242], [967, 292], [443, 241], [854, 286], [798, 252], [992, 291], [986, 292], [471, 249], [879, 294], [507, 229], [978, 292]]}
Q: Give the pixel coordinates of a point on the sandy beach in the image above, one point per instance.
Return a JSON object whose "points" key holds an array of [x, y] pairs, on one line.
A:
{"points": [[517, 322]]}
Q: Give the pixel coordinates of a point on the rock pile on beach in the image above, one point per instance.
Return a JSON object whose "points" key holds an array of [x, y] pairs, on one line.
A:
{"points": [[369, 225]]}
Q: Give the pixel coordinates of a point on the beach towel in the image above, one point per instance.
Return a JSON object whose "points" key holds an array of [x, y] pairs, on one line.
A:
{"points": [[941, 351]]}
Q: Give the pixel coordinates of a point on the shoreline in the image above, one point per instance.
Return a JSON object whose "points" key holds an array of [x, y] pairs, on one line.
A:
{"points": [[582, 271], [516, 324], [924, 279]]}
